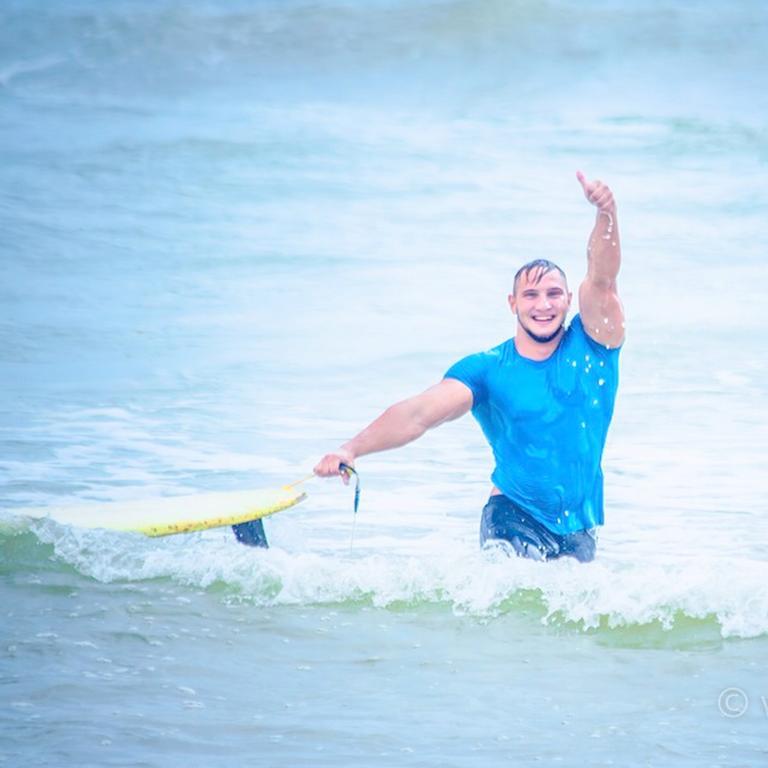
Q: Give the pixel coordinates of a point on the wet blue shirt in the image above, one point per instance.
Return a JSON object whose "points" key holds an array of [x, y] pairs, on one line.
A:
{"points": [[546, 422]]}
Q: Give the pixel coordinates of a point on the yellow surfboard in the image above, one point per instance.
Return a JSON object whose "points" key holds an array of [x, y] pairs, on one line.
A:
{"points": [[173, 514]]}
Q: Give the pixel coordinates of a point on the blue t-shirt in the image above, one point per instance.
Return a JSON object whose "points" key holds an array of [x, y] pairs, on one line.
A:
{"points": [[546, 422]]}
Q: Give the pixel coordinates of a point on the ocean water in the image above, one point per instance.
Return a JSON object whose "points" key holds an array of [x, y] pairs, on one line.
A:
{"points": [[232, 233]]}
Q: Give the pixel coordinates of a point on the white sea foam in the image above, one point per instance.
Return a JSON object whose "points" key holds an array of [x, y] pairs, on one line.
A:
{"points": [[234, 234], [609, 592]]}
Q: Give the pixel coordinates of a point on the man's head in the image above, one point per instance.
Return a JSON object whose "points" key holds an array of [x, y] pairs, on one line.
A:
{"points": [[540, 299]]}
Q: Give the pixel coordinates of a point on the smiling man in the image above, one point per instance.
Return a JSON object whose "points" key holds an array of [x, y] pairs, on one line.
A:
{"points": [[544, 400]]}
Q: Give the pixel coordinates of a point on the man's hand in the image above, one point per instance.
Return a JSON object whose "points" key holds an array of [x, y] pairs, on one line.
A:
{"points": [[330, 464], [597, 193]]}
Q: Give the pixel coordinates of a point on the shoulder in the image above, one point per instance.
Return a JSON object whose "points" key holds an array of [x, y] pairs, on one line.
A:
{"points": [[489, 357], [576, 334], [473, 370]]}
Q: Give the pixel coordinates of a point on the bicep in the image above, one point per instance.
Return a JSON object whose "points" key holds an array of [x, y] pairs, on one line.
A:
{"points": [[602, 312], [445, 401]]}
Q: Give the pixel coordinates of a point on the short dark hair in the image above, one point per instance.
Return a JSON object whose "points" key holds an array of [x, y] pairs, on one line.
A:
{"points": [[543, 265]]}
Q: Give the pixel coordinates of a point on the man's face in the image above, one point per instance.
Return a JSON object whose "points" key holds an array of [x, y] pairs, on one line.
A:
{"points": [[541, 304]]}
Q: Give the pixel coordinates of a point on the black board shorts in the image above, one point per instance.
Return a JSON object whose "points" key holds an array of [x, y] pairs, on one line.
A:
{"points": [[503, 521]]}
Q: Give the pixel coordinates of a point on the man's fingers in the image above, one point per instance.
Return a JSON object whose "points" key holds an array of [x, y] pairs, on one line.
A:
{"points": [[603, 198], [326, 468], [330, 465], [596, 192], [605, 203]]}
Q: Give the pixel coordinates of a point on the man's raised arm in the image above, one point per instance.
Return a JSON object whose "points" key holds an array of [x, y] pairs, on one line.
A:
{"points": [[599, 305], [401, 424]]}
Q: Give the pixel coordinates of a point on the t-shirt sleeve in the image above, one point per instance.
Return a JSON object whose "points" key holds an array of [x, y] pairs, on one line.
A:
{"points": [[607, 357], [471, 371], [603, 352]]}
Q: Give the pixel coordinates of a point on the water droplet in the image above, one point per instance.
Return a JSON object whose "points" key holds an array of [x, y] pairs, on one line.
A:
{"points": [[583, 424], [566, 513], [558, 521], [573, 363], [595, 402], [602, 364], [600, 382], [605, 320], [609, 228], [586, 357]]}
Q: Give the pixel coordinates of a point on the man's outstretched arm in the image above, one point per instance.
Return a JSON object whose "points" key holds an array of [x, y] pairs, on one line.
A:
{"points": [[401, 424], [599, 305]]}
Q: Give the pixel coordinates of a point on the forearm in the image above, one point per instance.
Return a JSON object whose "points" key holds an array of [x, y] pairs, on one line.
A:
{"points": [[604, 248], [397, 426], [400, 424], [599, 304]]}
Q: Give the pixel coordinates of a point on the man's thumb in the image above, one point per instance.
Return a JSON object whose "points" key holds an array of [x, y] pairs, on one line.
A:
{"points": [[582, 180]]}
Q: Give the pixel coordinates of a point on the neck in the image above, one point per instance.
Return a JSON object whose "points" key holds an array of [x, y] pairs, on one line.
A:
{"points": [[529, 347]]}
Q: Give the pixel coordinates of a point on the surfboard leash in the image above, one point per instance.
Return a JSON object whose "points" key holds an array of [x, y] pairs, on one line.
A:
{"points": [[345, 469], [299, 482], [348, 471]]}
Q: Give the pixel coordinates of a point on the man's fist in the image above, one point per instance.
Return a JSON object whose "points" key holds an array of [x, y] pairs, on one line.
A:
{"points": [[597, 193], [330, 464]]}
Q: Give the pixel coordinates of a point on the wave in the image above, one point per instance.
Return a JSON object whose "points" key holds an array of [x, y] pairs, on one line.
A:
{"points": [[666, 592], [473, 44]]}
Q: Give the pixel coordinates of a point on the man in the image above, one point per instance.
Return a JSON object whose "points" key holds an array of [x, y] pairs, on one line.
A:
{"points": [[544, 400]]}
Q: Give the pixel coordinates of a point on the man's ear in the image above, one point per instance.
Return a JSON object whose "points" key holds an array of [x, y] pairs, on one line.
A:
{"points": [[512, 303]]}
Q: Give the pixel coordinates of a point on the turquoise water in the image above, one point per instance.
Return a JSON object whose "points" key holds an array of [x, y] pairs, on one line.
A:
{"points": [[232, 234]]}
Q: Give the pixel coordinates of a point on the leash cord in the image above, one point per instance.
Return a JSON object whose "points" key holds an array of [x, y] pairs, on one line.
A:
{"points": [[347, 470]]}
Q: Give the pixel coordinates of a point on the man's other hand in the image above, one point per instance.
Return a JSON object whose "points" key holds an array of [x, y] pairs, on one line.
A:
{"points": [[330, 464], [597, 193]]}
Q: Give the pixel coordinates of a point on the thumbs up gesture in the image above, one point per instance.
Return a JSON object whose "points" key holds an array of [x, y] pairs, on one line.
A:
{"points": [[597, 193]]}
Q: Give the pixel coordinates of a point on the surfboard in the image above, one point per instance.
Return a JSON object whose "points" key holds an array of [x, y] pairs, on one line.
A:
{"points": [[170, 515]]}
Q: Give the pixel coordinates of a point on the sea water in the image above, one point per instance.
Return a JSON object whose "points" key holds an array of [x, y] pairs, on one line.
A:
{"points": [[232, 234]]}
